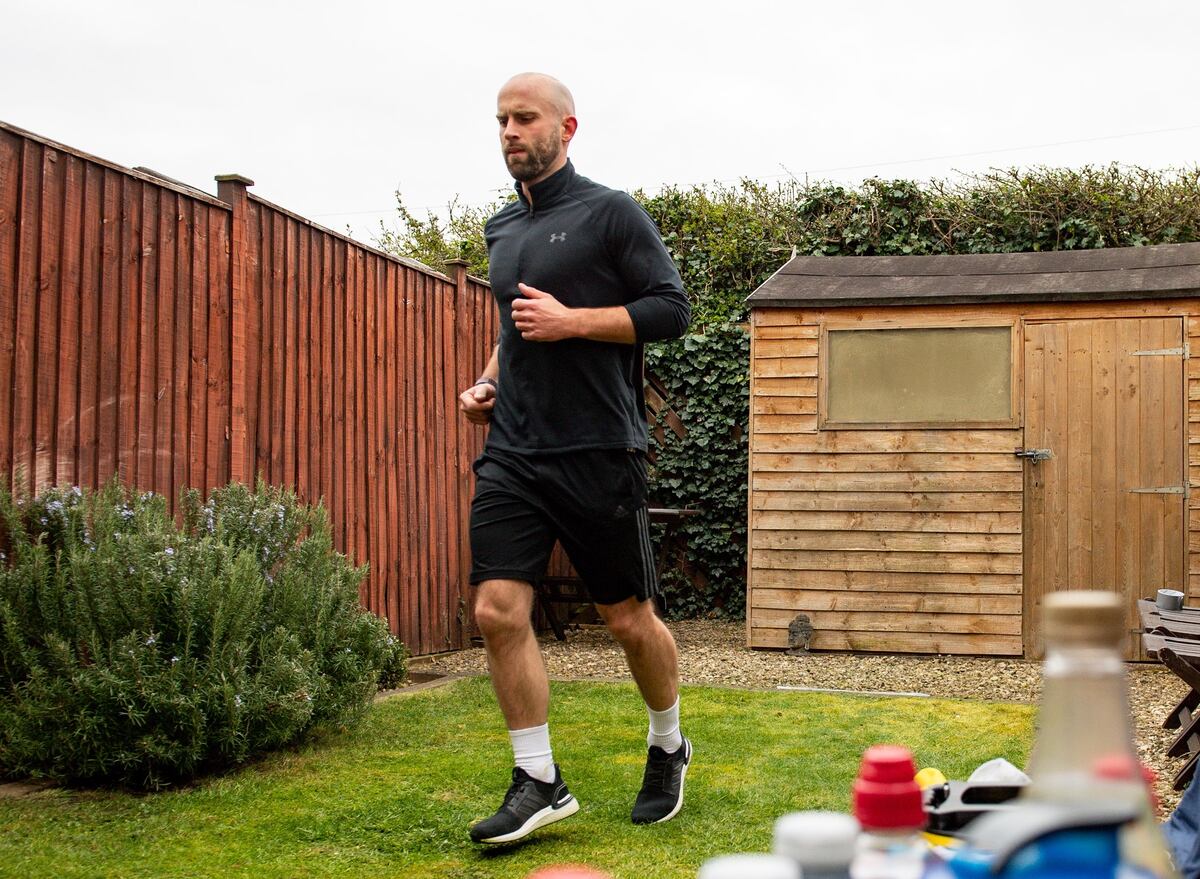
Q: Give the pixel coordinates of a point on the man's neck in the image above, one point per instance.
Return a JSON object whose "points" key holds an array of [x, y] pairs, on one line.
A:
{"points": [[527, 185]]}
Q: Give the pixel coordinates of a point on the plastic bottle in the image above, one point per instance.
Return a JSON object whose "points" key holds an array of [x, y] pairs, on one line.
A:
{"points": [[887, 804], [822, 843], [1083, 752], [749, 866]]}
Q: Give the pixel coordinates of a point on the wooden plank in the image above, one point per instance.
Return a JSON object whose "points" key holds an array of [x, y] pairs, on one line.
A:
{"points": [[49, 292], [882, 583], [307, 370], [164, 350], [353, 409], [888, 541], [969, 441], [108, 385], [1105, 366], [787, 424], [898, 642], [1033, 527], [782, 387], [10, 218], [910, 462], [370, 431], [327, 390], [1175, 519], [394, 429], [776, 317], [147, 372], [913, 562], [289, 424], [805, 601], [941, 313], [783, 367], [181, 432], [66, 440], [1154, 472], [226, 435], [1078, 452], [887, 501], [867, 621], [339, 448], [92, 292], [908, 482], [813, 520], [198, 351], [794, 347], [789, 332], [276, 387], [792, 406]]}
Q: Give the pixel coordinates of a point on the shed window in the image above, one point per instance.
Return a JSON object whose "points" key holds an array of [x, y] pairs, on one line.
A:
{"points": [[919, 375]]}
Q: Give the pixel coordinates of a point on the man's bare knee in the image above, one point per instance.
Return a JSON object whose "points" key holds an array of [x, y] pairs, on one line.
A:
{"points": [[502, 608], [630, 620]]}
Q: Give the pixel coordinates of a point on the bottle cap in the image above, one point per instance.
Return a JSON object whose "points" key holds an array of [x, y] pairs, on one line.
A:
{"points": [[816, 839], [885, 795], [1084, 618], [749, 866]]}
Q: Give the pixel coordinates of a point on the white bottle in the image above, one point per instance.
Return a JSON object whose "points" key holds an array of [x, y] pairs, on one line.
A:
{"points": [[821, 843], [749, 866]]}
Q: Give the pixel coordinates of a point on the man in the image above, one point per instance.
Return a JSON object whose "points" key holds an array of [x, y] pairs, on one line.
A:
{"points": [[582, 280]]}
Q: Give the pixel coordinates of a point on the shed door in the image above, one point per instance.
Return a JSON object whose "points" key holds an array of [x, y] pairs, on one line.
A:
{"points": [[1106, 511]]}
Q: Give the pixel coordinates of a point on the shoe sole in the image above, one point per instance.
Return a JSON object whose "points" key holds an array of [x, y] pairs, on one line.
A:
{"points": [[682, 779], [538, 819]]}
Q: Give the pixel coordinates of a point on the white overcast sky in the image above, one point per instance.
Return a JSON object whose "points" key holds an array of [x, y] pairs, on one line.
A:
{"points": [[332, 106]]}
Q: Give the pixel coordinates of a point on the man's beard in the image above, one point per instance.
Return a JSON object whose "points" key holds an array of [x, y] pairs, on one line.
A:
{"points": [[537, 158]]}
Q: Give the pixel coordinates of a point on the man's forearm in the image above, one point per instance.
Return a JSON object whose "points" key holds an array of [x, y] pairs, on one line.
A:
{"points": [[604, 324]]}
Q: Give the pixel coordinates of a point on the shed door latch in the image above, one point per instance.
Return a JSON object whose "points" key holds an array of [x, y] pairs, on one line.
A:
{"points": [[1034, 455]]}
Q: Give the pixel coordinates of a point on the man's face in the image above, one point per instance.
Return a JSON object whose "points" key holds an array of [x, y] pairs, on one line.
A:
{"points": [[531, 133]]}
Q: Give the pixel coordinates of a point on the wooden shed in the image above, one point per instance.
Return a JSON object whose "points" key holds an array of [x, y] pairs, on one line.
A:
{"points": [[937, 442]]}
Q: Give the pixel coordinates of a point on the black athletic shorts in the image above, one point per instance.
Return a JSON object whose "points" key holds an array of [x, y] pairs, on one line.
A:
{"points": [[592, 501]]}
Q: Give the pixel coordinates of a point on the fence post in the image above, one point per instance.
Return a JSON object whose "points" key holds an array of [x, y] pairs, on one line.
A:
{"points": [[231, 189], [456, 270]]}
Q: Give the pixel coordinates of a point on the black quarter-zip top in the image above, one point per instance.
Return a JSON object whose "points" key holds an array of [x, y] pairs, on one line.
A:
{"points": [[589, 247]]}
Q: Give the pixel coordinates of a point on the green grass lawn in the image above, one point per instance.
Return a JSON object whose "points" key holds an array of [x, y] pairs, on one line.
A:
{"points": [[395, 796]]}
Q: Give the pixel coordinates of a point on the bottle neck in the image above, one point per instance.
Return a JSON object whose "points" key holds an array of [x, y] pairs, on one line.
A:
{"points": [[1083, 720]]}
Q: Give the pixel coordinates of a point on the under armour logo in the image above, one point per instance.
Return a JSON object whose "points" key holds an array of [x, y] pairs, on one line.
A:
{"points": [[556, 237]]}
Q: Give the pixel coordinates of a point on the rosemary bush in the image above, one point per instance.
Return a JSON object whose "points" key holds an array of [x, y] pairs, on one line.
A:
{"points": [[138, 652]]}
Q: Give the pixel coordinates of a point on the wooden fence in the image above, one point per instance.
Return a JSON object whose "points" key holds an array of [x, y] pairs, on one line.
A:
{"points": [[150, 330]]}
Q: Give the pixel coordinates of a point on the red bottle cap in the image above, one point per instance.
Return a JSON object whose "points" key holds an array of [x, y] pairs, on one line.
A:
{"points": [[885, 795]]}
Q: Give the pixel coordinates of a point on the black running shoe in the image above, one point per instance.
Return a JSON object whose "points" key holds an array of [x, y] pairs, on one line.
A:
{"points": [[661, 796], [528, 805]]}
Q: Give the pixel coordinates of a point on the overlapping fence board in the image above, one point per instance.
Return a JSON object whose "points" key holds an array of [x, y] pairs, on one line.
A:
{"points": [[179, 340]]}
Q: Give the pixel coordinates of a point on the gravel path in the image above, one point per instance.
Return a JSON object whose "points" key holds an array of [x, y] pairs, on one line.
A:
{"points": [[715, 653]]}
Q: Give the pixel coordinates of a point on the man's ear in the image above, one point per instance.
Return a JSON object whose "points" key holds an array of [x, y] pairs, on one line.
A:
{"points": [[569, 126]]}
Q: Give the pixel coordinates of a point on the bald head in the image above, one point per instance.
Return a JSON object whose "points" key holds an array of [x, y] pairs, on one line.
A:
{"points": [[537, 121], [543, 87]]}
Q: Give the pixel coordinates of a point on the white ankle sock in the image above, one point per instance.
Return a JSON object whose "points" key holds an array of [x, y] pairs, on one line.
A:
{"points": [[531, 751], [664, 728]]}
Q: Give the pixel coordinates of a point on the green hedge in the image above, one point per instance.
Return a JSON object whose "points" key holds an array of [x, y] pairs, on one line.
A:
{"points": [[137, 652], [727, 240]]}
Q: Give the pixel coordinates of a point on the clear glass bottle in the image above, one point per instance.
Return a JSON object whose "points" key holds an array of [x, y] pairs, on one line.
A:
{"points": [[1083, 752]]}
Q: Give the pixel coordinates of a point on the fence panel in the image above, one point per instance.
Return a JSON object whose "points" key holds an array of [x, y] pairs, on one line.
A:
{"points": [[114, 343], [353, 361], [150, 330]]}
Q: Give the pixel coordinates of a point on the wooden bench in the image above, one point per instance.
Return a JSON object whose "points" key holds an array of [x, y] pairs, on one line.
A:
{"points": [[553, 591]]}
